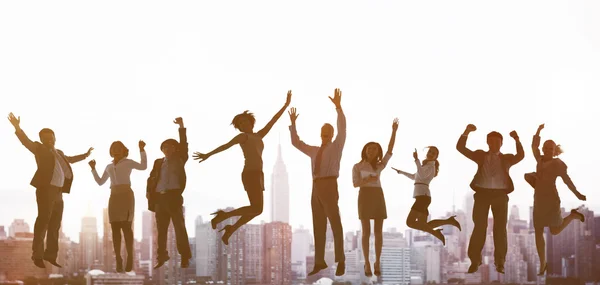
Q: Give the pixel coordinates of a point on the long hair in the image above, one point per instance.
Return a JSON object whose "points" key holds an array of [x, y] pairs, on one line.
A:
{"points": [[236, 120], [116, 144], [378, 157], [437, 163]]}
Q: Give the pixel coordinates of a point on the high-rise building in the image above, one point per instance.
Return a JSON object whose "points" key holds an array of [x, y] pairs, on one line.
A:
{"points": [[280, 191], [18, 226], [277, 255], [147, 249], [206, 258], [2, 233], [301, 240], [18, 266], [88, 242]]}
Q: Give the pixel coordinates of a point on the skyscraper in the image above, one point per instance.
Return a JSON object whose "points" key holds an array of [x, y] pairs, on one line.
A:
{"points": [[280, 191], [18, 226], [88, 242]]}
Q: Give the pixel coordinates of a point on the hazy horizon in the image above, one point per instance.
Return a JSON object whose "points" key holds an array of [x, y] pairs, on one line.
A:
{"points": [[95, 74]]}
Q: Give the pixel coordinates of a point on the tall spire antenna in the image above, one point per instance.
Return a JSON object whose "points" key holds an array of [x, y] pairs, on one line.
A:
{"points": [[453, 201]]}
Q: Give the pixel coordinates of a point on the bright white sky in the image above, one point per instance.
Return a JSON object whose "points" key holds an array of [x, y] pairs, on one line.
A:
{"points": [[99, 72]]}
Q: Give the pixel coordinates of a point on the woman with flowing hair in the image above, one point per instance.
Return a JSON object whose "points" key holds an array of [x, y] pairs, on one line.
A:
{"points": [[546, 202], [371, 201], [252, 176], [121, 204], [417, 217]]}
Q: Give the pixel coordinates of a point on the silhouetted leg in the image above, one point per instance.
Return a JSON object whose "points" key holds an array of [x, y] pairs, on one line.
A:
{"points": [[248, 212], [366, 236], [319, 230], [481, 209], [500, 213], [438, 223], [177, 216], [328, 195], [540, 244], [566, 221], [378, 225], [116, 236], [45, 203], [418, 221], [163, 220], [53, 234], [128, 235]]}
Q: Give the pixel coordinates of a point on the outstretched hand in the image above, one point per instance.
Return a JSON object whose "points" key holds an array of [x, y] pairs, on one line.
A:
{"points": [[142, 145], [471, 128], [200, 156], [89, 151], [415, 154], [92, 163], [293, 115], [395, 125], [514, 135], [15, 121], [541, 127], [581, 197], [397, 170], [288, 100], [337, 98], [178, 121]]}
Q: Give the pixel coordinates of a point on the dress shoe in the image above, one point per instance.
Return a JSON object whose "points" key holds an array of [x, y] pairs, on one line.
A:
{"points": [[38, 262], [500, 268], [340, 269], [161, 262], [317, 268], [185, 262], [474, 267], [53, 262]]}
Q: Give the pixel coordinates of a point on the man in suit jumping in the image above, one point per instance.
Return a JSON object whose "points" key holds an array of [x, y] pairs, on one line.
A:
{"points": [[53, 177]]}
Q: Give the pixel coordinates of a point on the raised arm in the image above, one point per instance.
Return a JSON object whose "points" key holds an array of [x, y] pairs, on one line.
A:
{"points": [[182, 150], [535, 144], [16, 122], [264, 131], [296, 141], [340, 138], [143, 164], [461, 145], [520, 152], [99, 180], [78, 158], [393, 137], [236, 140]]}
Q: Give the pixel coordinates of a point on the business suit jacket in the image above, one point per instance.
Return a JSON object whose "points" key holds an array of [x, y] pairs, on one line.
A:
{"points": [[478, 156], [152, 182], [45, 160]]}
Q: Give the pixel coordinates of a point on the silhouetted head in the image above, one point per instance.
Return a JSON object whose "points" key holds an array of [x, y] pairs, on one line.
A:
{"points": [[551, 149], [372, 152], [326, 133], [47, 137], [244, 122], [118, 150], [432, 155], [169, 147], [494, 141]]}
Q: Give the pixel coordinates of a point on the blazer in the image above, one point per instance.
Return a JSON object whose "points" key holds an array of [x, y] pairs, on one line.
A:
{"points": [[152, 182], [478, 156], [45, 160]]}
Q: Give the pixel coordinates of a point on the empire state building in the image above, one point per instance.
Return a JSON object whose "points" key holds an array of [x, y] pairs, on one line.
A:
{"points": [[280, 191]]}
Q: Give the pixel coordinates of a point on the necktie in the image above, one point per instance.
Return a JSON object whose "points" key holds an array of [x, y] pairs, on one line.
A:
{"points": [[318, 160]]}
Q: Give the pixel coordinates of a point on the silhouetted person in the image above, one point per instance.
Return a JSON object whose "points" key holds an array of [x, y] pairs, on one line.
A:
{"points": [[252, 175], [164, 193], [371, 201], [546, 202], [121, 204], [492, 184], [325, 161], [417, 217], [52, 178]]}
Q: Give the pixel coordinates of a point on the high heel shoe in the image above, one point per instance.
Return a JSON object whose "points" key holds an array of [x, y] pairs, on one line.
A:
{"points": [[377, 269], [543, 270], [581, 216], [438, 234], [129, 264], [452, 220], [227, 234], [368, 272], [215, 221]]}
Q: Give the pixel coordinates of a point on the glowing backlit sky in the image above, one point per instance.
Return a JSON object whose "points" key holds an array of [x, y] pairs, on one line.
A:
{"points": [[96, 72]]}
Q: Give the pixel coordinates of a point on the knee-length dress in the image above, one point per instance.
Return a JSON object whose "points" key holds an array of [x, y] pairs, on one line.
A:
{"points": [[121, 204], [371, 201], [546, 202]]}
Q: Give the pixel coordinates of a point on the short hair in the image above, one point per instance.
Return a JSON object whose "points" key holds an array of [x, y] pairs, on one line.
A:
{"points": [[118, 144], [495, 135], [246, 114], [173, 142], [45, 131]]}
